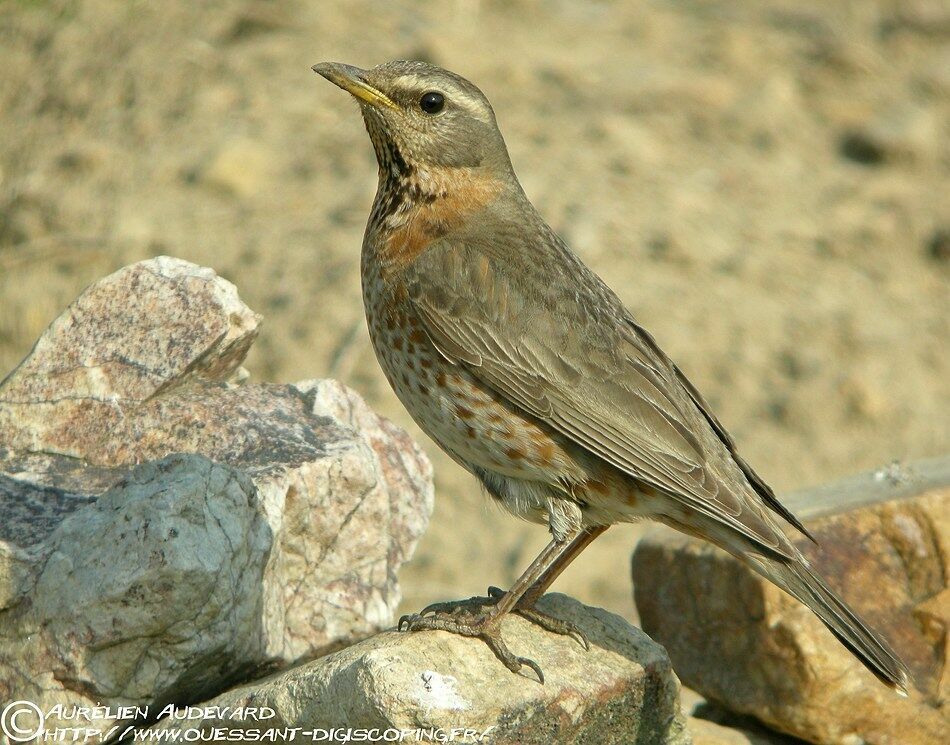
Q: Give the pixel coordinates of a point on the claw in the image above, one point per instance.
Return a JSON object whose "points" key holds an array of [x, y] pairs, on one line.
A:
{"points": [[534, 666], [493, 639], [432, 608]]}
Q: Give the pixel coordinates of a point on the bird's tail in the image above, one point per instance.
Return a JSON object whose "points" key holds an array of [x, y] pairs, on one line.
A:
{"points": [[799, 580]]}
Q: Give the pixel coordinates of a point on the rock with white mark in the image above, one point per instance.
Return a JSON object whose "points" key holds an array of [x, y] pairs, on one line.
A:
{"points": [[620, 691]]}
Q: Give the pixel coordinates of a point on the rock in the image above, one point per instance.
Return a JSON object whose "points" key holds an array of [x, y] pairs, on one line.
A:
{"points": [[620, 691], [151, 326], [745, 645], [140, 574], [938, 246], [145, 594]]}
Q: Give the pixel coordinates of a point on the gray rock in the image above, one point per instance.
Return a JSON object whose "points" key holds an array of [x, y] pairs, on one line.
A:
{"points": [[620, 691], [750, 648], [145, 594], [132, 574]]}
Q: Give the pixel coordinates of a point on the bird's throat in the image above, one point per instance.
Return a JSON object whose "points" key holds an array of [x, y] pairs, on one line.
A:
{"points": [[415, 209]]}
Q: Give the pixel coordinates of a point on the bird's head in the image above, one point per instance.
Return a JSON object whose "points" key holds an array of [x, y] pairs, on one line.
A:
{"points": [[421, 117]]}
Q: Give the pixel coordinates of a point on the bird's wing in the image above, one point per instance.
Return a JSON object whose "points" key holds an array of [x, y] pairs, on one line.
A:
{"points": [[762, 489], [567, 352]]}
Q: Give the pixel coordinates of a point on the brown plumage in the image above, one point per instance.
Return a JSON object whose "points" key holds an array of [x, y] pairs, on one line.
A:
{"points": [[528, 370]]}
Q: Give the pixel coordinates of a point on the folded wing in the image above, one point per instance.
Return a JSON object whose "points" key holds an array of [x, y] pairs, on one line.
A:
{"points": [[572, 356]]}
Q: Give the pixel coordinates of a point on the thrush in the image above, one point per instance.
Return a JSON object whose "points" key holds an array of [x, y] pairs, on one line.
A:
{"points": [[529, 372]]}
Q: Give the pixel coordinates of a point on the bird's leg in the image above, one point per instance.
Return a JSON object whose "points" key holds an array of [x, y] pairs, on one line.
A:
{"points": [[525, 605], [491, 601], [480, 616], [570, 552]]}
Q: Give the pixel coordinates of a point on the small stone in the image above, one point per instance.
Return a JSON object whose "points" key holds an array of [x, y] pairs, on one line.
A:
{"points": [[861, 148], [938, 247], [905, 134]]}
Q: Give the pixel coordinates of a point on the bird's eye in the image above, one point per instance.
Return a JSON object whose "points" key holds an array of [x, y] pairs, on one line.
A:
{"points": [[432, 102]]}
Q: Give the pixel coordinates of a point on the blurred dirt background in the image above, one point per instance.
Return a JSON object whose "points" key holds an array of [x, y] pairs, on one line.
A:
{"points": [[766, 184]]}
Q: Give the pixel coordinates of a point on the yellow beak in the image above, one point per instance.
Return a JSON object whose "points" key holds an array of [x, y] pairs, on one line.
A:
{"points": [[352, 80]]}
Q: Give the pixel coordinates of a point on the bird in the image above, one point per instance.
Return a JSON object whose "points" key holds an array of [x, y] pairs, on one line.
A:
{"points": [[528, 370]]}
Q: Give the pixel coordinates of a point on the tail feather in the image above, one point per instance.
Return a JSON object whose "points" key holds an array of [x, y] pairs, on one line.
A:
{"points": [[800, 581]]}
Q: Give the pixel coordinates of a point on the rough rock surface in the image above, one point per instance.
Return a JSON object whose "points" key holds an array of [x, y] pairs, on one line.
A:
{"points": [[744, 644], [620, 691], [164, 532]]}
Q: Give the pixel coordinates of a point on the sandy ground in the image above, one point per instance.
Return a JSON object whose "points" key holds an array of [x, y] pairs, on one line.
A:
{"points": [[765, 184]]}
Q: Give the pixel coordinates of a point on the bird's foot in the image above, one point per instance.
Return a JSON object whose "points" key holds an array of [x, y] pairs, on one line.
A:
{"points": [[484, 626], [474, 617]]}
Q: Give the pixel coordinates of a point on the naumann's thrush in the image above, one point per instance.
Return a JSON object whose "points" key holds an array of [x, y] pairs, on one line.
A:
{"points": [[527, 369]]}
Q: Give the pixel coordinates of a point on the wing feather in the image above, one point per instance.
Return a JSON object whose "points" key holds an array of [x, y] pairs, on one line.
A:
{"points": [[587, 370]]}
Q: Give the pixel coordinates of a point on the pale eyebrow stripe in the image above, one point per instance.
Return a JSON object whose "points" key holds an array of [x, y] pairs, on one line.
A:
{"points": [[473, 105]]}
